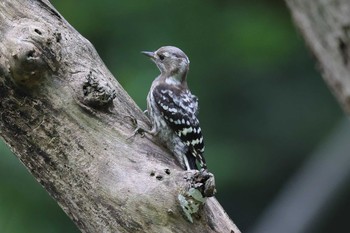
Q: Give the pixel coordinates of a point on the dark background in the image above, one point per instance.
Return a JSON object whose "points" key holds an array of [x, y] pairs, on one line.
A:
{"points": [[264, 108]]}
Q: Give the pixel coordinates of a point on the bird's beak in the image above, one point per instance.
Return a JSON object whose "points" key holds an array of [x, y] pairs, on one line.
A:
{"points": [[148, 54]]}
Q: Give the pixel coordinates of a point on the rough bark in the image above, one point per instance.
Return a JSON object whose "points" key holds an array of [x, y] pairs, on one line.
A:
{"points": [[68, 120], [325, 26]]}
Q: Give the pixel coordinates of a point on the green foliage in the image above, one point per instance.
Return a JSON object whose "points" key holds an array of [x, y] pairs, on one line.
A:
{"points": [[263, 107]]}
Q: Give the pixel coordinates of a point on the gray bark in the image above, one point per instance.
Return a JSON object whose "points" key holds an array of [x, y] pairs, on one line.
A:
{"points": [[305, 200], [325, 26], [68, 120]]}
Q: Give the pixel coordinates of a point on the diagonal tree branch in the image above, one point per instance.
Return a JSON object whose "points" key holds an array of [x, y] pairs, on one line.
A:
{"points": [[68, 120], [325, 26]]}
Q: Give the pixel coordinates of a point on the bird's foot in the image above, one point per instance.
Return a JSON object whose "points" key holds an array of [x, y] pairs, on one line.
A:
{"points": [[140, 129], [137, 128]]}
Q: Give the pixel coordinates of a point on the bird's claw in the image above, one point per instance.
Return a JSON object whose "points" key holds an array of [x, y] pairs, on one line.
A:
{"points": [[137, 130]]}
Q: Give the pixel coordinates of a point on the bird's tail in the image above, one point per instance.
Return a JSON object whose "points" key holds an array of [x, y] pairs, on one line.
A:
{"points": [[193, 156]]}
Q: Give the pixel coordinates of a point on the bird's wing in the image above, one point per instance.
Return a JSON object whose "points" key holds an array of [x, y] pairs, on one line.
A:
{"points": [[179, 110]]}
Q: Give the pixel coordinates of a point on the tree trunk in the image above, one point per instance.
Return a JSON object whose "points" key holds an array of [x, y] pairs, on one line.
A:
{"points": [[68, 120], [325, 26]]}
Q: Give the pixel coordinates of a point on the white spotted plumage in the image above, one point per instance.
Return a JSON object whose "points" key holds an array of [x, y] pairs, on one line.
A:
{"points": [[173, 109]]}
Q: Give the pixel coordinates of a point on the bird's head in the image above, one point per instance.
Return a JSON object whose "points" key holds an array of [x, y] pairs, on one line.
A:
{"points": [[171, 61]]}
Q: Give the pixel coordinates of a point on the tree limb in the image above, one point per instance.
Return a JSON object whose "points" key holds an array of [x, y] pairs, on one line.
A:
{"points": [[325, 26], [68, 120]]}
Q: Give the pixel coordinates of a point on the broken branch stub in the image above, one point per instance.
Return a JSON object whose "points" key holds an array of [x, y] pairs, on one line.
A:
{"points": [[33, 53]]}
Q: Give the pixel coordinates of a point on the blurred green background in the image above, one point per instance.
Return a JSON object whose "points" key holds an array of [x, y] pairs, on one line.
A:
{"points": [[263, 106]]}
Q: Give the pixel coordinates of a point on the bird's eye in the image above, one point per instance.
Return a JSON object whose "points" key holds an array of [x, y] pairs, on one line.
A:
{"points": [[161, 57]]}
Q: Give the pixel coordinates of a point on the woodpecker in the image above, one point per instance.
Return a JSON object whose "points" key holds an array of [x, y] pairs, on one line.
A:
{"points": [[173, 109]]}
